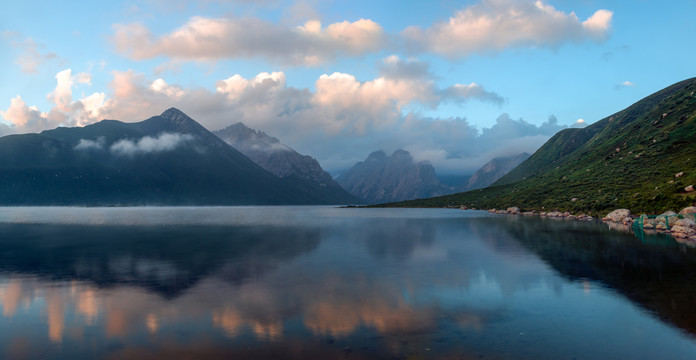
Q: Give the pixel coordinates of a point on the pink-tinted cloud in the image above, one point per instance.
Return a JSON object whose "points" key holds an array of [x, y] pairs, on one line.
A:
{"points": [[209, 39], [495, 25]]}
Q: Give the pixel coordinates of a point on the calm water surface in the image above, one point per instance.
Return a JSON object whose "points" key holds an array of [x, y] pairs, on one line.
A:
{"points": [[322, 282]]}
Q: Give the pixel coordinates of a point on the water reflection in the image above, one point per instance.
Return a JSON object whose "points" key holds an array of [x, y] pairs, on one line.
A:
{"points": [[651, 269], [331, 284]]}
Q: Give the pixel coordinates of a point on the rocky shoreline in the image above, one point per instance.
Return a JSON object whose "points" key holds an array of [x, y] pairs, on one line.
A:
{"points": [[681, 226]]}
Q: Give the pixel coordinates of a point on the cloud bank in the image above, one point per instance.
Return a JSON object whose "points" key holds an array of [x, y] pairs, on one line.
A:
{"points": [[339, 122], [489, 26]]}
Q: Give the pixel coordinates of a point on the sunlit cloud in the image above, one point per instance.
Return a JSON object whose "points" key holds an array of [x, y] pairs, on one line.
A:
{"points": [[210, 39], [339, 122], [492, 26]]}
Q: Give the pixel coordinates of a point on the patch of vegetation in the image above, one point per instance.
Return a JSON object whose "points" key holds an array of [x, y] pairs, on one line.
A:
{"points": [[627, 160]]}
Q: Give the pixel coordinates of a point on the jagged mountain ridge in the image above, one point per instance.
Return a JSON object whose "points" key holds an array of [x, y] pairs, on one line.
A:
{"points": [[283, 161], [168, 159], [382, 178]]}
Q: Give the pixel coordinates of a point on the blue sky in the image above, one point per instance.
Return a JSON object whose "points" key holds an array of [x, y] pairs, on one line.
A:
{"points": [[454, 82]]}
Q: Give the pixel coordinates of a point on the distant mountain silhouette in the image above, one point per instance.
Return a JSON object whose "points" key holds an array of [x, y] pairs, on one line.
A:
{"points": [[382, 178], [494, 170]]}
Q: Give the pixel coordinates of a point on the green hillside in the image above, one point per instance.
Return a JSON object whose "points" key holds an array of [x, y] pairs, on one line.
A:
{"points": [[627, 160]]}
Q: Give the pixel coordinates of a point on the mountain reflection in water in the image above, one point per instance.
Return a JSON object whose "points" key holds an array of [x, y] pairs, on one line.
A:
{"points": [[317, 282]]}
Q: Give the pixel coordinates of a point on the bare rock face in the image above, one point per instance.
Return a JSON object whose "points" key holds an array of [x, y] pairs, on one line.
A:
{"points": [[382, 178], [617, 215], [282, 161]]}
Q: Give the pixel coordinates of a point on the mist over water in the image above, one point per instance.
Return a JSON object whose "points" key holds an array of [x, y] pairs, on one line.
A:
{"points": [[322, 282]]}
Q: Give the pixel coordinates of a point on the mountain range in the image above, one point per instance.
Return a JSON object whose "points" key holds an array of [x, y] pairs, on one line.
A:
{"points": [[383, 178], [284, 162], [640, 158], [168, 159]]}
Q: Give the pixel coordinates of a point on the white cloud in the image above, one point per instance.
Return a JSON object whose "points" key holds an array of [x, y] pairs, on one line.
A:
{"points": [[339, 123], [148, 144], [86, 144], [25, 118], [206, 39], [579, 123], [495, 25]]}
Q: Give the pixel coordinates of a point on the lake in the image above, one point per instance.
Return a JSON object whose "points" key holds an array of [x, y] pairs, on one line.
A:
{"points": [[324, 283]]}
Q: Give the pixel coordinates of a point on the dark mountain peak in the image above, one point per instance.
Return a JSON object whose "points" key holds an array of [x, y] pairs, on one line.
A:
{"points": [[378, 155], [174, 120], [401, 153], [174, 114], [382, 178]]}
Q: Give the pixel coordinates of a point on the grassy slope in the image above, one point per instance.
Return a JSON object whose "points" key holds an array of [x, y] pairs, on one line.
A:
{"points": [[655, 138]]}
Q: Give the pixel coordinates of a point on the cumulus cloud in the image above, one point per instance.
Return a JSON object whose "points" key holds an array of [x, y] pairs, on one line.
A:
{"points": [[86, 144], [147, 144], [65, 112], [339, 122], [205, 39], [494, 25]]}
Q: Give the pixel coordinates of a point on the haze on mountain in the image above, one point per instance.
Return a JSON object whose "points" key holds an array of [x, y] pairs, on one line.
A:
{"points": [[284, 162], [640, 158], [383, 178], [168, 159], [493, 170]]}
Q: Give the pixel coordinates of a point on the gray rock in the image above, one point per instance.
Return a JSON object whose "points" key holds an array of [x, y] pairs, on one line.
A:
{"points": [[682, 231], [617, 215], [685, 223], [688, 210], [383, 178]]}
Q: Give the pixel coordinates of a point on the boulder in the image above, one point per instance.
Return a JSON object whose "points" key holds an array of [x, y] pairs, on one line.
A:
{"points": [[617, 215], [686, 223], [660, 226], [688, 210], [689, 188], [682, 231], [679, 174], [627, 220], [513, 210]]}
